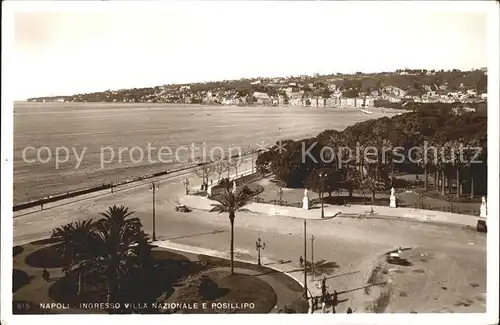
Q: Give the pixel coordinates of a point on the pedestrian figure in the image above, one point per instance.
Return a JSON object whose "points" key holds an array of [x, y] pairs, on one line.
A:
{"points": [[45, 275], [334, 297], [211, 182], [323, 286], [349, 310], [301, 260]]}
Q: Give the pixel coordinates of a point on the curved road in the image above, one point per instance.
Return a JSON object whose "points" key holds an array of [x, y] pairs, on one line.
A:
{"points": [[348, 247]]}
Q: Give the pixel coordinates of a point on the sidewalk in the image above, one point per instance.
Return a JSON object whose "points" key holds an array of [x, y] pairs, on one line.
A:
{"points": [[290, 270], [203, 203]]}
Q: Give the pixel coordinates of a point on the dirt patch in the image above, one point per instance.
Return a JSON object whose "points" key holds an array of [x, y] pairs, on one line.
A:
{"points": [[463, 303], [224, 292], [418, 271], [16, 250], [19, 279], [398, 261], [46, 257]]}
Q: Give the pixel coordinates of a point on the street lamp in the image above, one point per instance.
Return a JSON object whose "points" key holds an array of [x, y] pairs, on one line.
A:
{"points": [[305, 259], [322, 177], [280, 193], [259, 245], [312, 256], [186, 185], [153, 187]]}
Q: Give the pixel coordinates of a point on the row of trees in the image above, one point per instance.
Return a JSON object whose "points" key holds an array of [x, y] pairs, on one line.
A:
{"points": [[220, 166], [363, 156]]}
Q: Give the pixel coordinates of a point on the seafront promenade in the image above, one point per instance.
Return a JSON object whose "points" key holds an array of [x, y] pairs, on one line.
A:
{"points": [[351, 211]]}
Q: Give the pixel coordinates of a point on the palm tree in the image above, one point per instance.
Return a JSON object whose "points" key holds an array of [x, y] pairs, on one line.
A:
{"points": [[230, 202], [76, 243], [120, 242]]}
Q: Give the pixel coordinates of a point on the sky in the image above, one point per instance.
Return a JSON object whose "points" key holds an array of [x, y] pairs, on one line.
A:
{"points": [[68, 50]]}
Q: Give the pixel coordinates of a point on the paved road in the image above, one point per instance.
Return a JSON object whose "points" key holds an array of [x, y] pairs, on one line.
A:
{"points": [[347, 246]]}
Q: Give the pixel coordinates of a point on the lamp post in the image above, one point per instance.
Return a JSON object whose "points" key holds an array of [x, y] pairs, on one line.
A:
{"points": [[153, 187], [322, 177], [305, 259], [259, 245], [186, 185], [280, 193], [312, 256]]}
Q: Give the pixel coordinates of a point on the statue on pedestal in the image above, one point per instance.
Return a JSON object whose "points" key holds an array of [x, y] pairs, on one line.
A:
{"points": [[305, 200], [234, 187], [483, 208], [392, 199]]}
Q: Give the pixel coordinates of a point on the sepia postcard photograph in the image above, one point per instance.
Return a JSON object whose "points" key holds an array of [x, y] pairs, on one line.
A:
{"points": [[253, 158]]}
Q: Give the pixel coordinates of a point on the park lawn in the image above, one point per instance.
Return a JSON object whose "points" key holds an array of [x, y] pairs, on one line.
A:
{"points": [[170, 276]]}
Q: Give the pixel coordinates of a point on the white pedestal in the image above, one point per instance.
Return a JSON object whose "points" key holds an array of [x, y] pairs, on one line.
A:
{"points": [[209, 191], [305, 203], [392, 203], [483, 211]]}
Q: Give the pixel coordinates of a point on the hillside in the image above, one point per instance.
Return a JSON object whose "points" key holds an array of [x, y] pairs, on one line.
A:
{"points": [[412, 82]]}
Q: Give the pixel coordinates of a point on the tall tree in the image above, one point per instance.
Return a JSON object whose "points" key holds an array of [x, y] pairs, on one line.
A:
{"points": [[120, 242], [76, 243], [229, 203]]}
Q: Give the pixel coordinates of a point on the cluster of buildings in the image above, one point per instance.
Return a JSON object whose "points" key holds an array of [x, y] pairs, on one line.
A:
{"points": [[334, 102], [293, 91], [466, 96], [291, 94]]}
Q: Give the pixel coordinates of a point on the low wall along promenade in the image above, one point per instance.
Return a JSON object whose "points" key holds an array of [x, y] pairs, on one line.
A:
{"points": [[203, 203], [105, 187]]}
